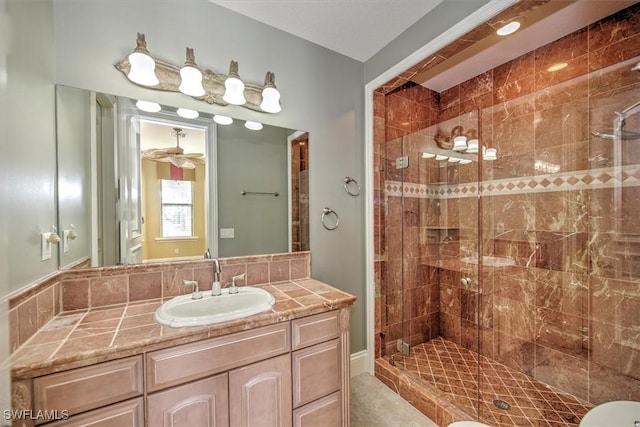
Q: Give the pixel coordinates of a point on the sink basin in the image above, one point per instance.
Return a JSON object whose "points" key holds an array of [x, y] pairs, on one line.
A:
{"points": [[185, 311], [491, 261]]}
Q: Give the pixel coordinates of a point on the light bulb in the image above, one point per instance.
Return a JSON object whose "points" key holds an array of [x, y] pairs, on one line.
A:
{"points": [[270, 95], [142, 66], [222, 120], [472, 146], [191, 83], [148, 106], [460, 143], [187, 114], [233, 87], [490, 154], [252, 125]]}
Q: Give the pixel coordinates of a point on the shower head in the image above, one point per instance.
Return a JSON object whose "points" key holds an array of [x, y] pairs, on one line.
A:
{"points": [[625, 135]]}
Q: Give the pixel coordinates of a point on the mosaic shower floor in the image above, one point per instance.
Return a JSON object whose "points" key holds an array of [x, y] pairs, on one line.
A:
{"points": [[453, 370]]}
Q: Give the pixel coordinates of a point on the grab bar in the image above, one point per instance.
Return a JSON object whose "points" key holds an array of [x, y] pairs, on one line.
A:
{"points": [[275, 193]]}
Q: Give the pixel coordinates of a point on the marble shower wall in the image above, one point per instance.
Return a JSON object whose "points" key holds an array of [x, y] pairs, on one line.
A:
{"points": [[558, 201]]}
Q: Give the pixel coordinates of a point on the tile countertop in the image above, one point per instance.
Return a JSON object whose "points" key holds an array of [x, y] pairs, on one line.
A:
{"points": [[81, 338]]}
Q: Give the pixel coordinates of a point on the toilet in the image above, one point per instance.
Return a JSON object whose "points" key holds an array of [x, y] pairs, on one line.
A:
{"points": [[468, 424]]}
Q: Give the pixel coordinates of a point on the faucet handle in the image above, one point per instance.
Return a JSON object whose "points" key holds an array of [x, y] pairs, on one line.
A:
{"points": [[196, 294], [234, 288]]}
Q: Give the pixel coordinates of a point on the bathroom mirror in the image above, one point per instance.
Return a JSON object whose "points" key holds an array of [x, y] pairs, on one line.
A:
{"points": [[137, 186]]}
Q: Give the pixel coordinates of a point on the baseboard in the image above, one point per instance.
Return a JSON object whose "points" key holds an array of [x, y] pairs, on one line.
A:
{"points": [[359, 363]]}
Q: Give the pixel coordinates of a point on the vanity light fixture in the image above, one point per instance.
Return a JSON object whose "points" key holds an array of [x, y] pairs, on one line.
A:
{"points": [[509, 28], [270, 95], [148, 106], [191, 83], [252, 125], [426, 155], [142, 70], [465, 161], [234, 87], [222, 120], [187, 113], [202, 84], [454, 160], [440, 157]]}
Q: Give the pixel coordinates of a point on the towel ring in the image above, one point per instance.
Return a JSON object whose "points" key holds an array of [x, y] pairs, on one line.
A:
{"points": [[352, 190], [325, 213]]}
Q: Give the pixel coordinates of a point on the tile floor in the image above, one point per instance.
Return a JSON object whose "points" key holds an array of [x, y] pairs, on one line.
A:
{"points": [[454, 370], [373, 404]]}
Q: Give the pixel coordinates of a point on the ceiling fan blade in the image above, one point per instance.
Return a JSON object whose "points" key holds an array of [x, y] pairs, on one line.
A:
{"points": [[154, 154], [190, 155]]}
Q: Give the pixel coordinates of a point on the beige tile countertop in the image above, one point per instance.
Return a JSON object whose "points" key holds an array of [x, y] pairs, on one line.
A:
{"points": [[80, 338]]}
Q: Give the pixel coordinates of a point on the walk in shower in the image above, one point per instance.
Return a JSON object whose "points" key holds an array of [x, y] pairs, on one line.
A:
{"points": [[508, 233]]}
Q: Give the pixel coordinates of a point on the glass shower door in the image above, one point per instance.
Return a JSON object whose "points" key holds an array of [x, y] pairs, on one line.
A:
{"points": [[432, 257]]}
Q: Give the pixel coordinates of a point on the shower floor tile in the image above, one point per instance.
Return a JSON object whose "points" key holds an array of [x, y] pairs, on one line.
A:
{"points": [[453, 370]]}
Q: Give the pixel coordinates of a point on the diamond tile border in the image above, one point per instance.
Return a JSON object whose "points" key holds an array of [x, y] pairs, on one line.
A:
{"points": [[627, 176]]}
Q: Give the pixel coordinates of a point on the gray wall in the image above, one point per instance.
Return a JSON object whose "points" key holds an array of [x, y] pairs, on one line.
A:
{"points": [[321, 93], [252, 161], [28, 160], [27, 153]]}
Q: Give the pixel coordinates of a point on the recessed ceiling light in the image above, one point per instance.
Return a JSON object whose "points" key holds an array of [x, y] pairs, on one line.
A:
{"points": [[557, 67], [510, 28]]}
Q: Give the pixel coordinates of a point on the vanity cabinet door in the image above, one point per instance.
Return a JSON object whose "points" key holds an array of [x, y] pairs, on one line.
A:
{"points": [[260, 394], [202, 403]]}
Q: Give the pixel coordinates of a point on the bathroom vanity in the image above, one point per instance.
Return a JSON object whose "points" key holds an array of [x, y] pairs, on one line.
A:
{"points": [[285, 367]]}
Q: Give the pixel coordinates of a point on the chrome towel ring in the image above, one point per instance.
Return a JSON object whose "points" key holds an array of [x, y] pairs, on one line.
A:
{"points": [[328, 215], [351, 186]]}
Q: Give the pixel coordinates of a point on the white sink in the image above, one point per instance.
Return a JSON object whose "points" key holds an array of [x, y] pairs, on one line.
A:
{"points": [[185, 311], [491, 261]]}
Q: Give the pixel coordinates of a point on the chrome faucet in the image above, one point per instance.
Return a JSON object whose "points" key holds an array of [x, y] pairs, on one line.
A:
{"points": [[233, 289], [216, 270], [207, 254]]}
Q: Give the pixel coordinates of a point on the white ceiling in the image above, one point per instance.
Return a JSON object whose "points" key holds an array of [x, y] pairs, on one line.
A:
{"points": [[355, 28], [360, 28]]}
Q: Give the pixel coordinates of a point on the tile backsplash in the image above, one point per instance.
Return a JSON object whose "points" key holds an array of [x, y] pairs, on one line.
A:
{"points": [[84, 288]]}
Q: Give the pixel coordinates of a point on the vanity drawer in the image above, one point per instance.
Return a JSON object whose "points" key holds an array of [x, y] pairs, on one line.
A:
{"points": [[316, 372], [315, 329], [129, 413], [82, 389], [321, 413], [189, 362]]}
